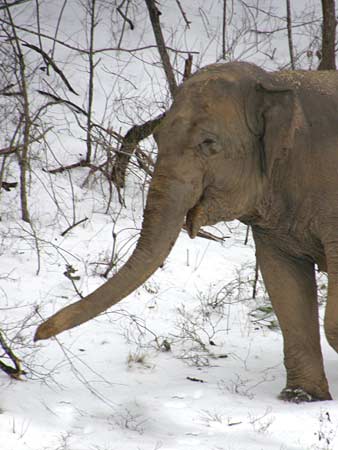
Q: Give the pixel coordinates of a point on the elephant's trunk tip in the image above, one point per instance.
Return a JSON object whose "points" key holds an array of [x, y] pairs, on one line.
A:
{"points": [[44, 331]]}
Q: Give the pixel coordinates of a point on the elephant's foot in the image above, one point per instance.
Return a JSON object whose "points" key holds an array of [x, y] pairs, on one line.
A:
{"points": [[300, 395]]}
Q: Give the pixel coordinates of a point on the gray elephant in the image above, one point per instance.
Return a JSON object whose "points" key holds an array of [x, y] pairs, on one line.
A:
{"points": [[242, 143]]}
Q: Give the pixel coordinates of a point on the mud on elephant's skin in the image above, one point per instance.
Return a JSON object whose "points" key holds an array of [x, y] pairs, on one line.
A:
{"points": [[242, 143]]}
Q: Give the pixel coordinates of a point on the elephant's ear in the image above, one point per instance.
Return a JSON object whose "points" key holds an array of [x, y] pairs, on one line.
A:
{"points": [[281, 117]]}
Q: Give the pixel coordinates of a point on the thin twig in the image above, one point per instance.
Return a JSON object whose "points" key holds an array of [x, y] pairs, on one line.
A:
{"points": [[37, 247], [12, 149], [68, 103], [15, 3], [73, 226], [52, 63], [254, 288], [37, 6], [184, 15], [69, 273], [124, 15], [247, 235], [99, 50], [63, 7]]}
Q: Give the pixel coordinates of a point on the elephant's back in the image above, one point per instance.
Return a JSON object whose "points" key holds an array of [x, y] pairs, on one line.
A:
{"points": [[232, 71], [322, 82]]}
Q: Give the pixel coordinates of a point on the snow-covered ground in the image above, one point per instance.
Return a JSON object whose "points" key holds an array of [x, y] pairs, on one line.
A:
{"points": [[189, 361], [114, 383]]}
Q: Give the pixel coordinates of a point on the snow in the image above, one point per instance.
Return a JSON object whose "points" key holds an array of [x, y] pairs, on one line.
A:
{"points": [[131, 378]]}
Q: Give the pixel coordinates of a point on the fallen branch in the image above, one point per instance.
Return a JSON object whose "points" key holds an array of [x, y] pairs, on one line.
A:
{"points": [[73, 226], [13, 372], [82, 163]]}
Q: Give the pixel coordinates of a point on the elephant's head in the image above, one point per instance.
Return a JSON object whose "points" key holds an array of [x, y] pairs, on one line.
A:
{"points": [[210, 167]]}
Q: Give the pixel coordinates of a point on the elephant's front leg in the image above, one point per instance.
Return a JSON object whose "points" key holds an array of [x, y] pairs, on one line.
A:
{"points": [[291, 285]]}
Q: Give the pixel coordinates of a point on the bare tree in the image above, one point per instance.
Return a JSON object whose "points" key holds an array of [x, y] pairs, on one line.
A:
{"points": [[290, 39], [224, 25], [91, 6], [25, 116], [328, 53], [154, 15]]}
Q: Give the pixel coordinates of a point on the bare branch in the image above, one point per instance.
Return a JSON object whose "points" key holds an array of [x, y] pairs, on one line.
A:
{"points": [[187, 67], [81, 163], [130, 141], [13, 149], [73, 226], [16, 371], [124, 15], [184, 15], [51, 62], [57, 27], [15, 3], [68, 103], [155, 22], [98, 50]]}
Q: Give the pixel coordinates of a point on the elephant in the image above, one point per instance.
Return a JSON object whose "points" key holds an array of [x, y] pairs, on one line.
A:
{"points": [[243, 143]]}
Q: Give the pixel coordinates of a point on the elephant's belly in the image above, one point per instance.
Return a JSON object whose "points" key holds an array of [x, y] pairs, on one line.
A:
{"points": [[298, 245]]}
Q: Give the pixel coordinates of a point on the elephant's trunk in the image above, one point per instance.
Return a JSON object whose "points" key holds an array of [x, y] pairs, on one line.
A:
{"points": [[166, 208]]}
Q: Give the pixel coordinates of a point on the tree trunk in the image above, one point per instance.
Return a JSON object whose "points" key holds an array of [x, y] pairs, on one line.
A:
{"points": [[155, 22], [290, 40], [328, 60]]}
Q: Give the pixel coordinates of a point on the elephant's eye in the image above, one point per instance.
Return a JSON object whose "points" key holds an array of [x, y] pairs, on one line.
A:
{"points": [[208, 141], [209, 146]]}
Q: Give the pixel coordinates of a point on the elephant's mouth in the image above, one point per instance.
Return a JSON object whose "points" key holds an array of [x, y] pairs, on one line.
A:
{"points": [[212, 207]]}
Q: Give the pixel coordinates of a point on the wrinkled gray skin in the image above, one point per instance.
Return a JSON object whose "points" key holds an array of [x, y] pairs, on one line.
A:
{"points": [[241, 143]]}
